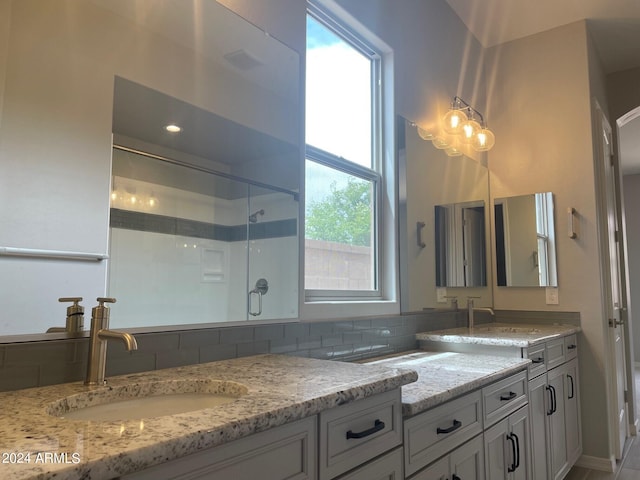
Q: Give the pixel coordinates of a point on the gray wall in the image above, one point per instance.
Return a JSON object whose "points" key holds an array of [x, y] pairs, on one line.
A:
{"points": [[631, 188]]}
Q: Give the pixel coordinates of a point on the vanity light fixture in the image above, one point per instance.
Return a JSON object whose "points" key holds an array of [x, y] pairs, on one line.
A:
{"points": [[461, 125], [173, 128]]}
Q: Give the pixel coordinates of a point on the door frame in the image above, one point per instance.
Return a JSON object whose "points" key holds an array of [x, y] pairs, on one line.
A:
{"points": [[611, 330]]}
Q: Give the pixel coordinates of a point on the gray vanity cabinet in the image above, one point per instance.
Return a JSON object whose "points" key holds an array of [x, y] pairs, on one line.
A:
{"points": [[554, 402]]}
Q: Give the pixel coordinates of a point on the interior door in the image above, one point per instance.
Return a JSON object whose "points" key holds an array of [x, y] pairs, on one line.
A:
{"points": [[614, 293]]}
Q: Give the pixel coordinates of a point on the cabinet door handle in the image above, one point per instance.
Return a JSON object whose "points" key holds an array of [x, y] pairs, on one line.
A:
{"points": [[377, 426], [572, 387], [552, 399], [537, 360], [510, 396], [456, 425], [515, 448], [572, 347]]}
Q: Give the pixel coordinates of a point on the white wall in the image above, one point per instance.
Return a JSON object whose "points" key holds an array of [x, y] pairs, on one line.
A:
{"points": [[540, 109]]}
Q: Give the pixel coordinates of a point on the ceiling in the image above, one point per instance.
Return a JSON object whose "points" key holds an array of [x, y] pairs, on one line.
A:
{"points": [[614, 26]]}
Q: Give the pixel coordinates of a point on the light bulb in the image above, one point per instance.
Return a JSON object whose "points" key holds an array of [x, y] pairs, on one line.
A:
{"points": [[440, 141], [484, 140], [453, 150], [425, 134], [453, 121], [469, 130]]}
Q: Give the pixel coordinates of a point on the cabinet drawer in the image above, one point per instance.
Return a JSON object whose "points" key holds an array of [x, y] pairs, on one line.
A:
{"points": [[537, 354], [352, 434], [504, 397], [555, 353], [285, 452], [435, 432], [570, 347]]}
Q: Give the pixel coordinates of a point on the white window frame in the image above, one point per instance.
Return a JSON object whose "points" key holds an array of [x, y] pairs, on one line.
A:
{"points": [[383, 298]]}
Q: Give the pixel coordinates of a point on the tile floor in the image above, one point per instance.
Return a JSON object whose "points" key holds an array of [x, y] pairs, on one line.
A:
{"points": [[631, 466]]}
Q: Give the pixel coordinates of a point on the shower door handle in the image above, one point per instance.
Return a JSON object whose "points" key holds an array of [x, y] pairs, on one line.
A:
{"points": [[255, 291], [261, 288]]}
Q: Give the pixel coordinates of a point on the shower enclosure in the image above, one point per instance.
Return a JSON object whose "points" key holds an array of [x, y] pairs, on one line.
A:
{"points": [[190, 245]]}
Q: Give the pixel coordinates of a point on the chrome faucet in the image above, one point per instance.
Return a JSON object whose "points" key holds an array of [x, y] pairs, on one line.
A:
{"points": [[75, 316], [471, 310], [98, 337]]}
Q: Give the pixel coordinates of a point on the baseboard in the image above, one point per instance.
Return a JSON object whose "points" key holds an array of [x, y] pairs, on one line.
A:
{"points": [[597, 463]]}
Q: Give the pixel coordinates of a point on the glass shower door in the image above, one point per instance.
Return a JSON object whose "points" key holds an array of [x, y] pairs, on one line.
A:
{"points": [[272, 254]]}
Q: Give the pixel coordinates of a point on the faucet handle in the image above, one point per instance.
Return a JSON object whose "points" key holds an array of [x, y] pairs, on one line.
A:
{"points": [[103, 300], [70, 299]]}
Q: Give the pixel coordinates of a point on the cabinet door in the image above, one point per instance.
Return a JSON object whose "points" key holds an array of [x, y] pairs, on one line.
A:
{"points": [[507, 448], [538, 415], [464, 463], [436, 471], [572, 411], [518, 438], [387, 467], [495, 448], [557, 439], [467, 461]]}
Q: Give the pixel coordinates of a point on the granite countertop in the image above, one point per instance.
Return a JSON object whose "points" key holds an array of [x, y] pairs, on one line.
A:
{"points": [[500, 334], [443, 376], [281, 389]]}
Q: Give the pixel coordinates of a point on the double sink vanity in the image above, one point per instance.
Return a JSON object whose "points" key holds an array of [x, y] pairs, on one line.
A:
{"points": [[444, 412]]}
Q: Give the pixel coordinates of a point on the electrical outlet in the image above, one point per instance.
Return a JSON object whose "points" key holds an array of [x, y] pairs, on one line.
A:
{"points": [[552, 295], [441, 295]]}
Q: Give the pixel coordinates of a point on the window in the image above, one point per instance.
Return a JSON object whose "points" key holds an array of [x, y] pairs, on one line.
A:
{"points": [[343, 181], [545, 256]]}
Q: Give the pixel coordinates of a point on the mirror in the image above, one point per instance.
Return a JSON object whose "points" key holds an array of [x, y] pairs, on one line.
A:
{"points": [[525, 241], [460, 245], [91, 86], [444, 249]]}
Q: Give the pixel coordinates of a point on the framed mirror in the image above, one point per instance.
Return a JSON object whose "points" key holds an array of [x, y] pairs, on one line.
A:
{"points": [[86, 92], [444, 246], [525, 241]]}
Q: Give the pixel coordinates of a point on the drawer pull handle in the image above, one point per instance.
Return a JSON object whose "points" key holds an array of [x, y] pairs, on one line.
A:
{"points": [[511, 396], [538, 360], [572, 347], [456, 425], [377, 426]]}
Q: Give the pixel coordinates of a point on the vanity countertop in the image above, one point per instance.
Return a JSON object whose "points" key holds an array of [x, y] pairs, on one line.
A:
{"points": [[500, 334], [281, 389], [443, 376]]}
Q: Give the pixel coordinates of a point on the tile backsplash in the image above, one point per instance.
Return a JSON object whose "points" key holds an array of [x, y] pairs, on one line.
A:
{"points": [[32, 364]]}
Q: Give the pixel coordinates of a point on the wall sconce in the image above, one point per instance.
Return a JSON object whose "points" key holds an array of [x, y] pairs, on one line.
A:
{"points": [[461, 125]]}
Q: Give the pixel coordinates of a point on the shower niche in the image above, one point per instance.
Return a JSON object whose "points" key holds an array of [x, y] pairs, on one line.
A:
{"points": [[189, 245]]}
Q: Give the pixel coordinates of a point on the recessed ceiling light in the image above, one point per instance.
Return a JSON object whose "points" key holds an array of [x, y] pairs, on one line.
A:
{"points": [[172, 128]]}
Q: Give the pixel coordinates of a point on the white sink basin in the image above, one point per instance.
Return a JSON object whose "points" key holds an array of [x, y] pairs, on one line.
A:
{"points": [[145, 400]]}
